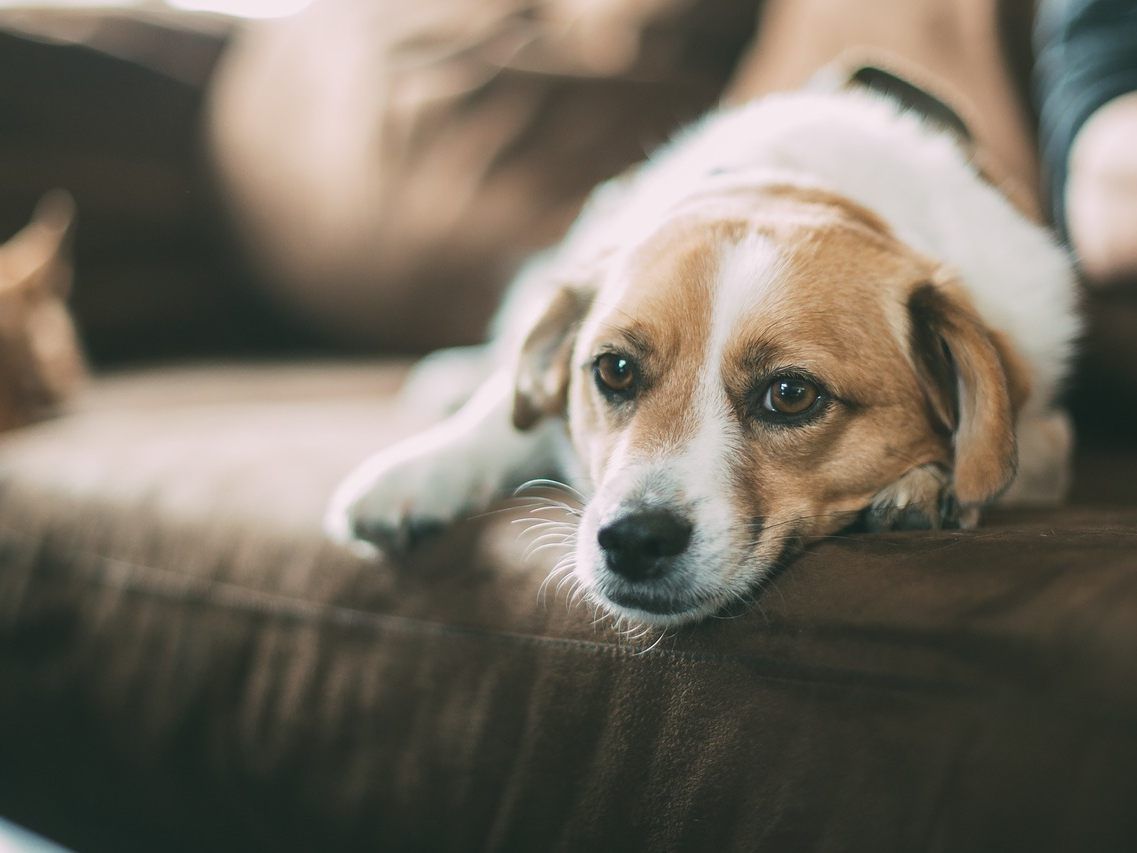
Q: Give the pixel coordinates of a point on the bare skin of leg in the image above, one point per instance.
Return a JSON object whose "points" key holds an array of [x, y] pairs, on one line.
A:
{"points": [[1101, 193]]}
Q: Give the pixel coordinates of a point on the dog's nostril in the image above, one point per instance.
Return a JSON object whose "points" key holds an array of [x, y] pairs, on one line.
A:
{"points": [[637, 545]]}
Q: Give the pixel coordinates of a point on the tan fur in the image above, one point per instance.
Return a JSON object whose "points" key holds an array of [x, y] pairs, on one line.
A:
{"points": [[543, 375], [983, 417]]}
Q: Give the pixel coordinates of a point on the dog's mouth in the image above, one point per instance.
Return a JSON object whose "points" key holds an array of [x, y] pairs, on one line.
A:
{"points": [[659, 604]]}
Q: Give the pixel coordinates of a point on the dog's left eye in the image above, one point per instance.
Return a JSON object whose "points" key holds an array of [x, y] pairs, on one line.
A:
{"points": [[615, 375], [790, 396]]}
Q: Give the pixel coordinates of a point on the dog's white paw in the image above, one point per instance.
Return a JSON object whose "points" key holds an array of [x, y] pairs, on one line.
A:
{"points": [[402, 495]]}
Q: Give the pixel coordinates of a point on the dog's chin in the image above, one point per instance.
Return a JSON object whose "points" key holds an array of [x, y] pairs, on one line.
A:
{"points": [[656, 609]]}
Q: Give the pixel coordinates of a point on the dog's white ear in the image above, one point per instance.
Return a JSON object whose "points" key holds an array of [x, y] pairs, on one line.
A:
{"points": [[974, 386], [541, 386]]}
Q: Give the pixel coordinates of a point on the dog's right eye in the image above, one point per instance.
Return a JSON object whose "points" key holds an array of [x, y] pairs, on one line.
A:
{"points": [[616, 375]]}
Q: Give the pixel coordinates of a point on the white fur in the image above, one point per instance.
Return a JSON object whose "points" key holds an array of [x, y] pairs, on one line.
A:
{"points": [[691, 476], [458, 465]]}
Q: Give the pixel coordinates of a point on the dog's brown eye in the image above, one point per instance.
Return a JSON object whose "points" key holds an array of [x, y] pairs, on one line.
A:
{"points": [[788, 395], [615, 374]]}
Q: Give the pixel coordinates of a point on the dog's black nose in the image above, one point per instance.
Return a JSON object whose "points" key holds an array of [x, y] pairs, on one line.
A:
{"points": [[640, 545]]}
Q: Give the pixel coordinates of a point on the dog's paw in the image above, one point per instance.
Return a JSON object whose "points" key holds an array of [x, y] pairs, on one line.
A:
{"points": [[921, 499], [400, 497]]}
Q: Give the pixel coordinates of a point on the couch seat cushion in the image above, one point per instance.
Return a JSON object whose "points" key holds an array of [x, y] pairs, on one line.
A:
{"points": [[184, 662]]}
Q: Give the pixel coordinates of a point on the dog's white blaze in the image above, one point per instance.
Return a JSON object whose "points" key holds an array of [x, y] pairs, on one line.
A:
{"points": [[747, 270]]}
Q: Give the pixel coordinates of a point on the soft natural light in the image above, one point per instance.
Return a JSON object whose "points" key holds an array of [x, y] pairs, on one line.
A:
{"points": [[235, 8], [243, 8]]}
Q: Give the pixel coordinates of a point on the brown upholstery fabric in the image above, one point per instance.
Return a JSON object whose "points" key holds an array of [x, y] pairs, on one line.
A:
{"points": [[184, 664]]}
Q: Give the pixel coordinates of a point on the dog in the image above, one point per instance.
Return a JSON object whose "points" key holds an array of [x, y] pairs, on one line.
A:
{"points": [[803, 313]]}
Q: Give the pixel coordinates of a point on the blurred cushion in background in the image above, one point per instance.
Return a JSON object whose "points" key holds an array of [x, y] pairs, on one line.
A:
{"points": [[390, 163], [108, 106]]}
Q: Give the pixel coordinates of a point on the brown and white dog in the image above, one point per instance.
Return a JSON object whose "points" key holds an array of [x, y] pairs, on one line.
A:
{"points": [[803, 312]]}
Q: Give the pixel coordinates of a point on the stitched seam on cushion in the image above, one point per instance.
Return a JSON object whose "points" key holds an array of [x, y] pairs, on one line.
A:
{"points": [[285, 606], [194, 589], [819, 677]]}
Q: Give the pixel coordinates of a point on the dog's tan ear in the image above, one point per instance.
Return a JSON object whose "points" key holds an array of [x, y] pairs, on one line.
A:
{"points": [[973, 386], [541, 386]]}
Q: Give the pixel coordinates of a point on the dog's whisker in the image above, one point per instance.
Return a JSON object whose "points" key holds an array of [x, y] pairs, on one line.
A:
{"points": [[658, 640], [565, 508], [568, 559], [635, 633], [553, 535], [538, 535], [547, 483], [577, 596], [569, 580], [545, 547], [510, 507], [579, 592], [539, 523], [539, 528], [537, 547], [562, 566]]}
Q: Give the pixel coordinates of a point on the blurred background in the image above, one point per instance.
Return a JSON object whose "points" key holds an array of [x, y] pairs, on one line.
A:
{"points": [[277, 203], [108, 101], [281, 176], [290, 176]]}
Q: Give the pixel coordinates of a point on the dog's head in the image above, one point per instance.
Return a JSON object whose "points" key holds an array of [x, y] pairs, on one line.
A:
{"points": [[762, 370]]}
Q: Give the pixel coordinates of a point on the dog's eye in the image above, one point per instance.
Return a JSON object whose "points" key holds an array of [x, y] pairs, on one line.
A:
{"points": [[615, 375], [790, 396]]}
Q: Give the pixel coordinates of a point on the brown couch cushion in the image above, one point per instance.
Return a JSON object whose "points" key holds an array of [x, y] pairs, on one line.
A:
{"points": [[184, 663]]}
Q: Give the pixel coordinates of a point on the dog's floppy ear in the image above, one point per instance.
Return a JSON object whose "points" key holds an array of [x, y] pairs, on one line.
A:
{"points": [[541, 386], [973, 385]]}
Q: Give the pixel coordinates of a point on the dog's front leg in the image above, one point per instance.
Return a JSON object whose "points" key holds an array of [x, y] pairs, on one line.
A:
{"points": [[455, 468]]}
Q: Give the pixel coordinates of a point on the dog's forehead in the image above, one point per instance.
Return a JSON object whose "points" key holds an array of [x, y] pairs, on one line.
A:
{"points": [[789, 270]]}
